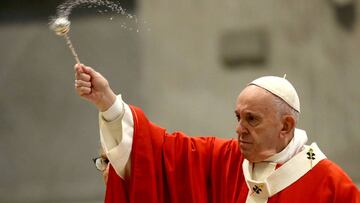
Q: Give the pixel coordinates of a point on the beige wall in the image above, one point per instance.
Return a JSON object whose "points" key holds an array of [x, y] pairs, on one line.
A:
{"points": [[175, 73], [188, 88], [48, 135]]}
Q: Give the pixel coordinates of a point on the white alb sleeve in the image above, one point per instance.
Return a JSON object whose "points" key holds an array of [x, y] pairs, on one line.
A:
{"points": [[116, 134]]}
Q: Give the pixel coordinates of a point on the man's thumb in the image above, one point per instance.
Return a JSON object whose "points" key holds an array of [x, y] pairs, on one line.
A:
{"points": [[89, 71]]}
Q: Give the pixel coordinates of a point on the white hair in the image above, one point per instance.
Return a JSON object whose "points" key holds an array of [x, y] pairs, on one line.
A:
{"points": [[285, 108]]}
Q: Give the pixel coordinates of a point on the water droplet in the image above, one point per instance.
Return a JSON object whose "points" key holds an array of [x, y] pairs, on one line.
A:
{"points": [[102, 6]]}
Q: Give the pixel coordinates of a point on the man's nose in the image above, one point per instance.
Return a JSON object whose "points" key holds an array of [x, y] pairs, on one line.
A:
{"points": [[240, 128]]}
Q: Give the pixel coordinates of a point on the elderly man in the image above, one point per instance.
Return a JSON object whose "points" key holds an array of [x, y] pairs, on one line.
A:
{"points": [[269, 162]]}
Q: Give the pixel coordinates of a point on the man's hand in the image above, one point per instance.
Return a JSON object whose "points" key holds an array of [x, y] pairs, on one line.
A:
{"points": [[93, 87]]}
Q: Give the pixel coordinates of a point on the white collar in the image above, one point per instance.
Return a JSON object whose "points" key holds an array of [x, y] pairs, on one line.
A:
{"points": [[288, 173], [295, 146]]}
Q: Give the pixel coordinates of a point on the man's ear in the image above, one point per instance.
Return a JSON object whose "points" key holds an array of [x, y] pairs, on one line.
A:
{"points": [[288, 125]]}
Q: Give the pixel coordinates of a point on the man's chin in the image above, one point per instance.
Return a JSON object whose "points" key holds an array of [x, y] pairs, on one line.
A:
{"points": [[250, 156], [246, 154], [253, 159]]}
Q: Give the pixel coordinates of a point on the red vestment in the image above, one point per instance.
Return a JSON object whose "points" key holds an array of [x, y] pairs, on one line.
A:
{"points": [[171, 168]]}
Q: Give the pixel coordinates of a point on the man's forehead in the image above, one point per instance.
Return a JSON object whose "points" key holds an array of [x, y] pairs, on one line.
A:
{"points": [[254, 97], [253, 92]]}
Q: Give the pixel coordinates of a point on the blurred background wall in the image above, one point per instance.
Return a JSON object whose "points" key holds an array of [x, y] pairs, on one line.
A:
{"points": [[185, 68]]}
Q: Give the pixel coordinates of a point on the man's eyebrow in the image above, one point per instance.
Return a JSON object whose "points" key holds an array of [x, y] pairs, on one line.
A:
{"points": [[252, 113], [248, 112]]}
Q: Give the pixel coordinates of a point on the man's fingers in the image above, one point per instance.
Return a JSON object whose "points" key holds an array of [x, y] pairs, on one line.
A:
{"points": [[78, 66], [82, 87], [90, 71], [82, 76], [81, 83], [83, 90]]}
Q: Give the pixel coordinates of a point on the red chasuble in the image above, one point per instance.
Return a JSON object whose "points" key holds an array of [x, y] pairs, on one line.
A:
{"points": [[175, 168]]}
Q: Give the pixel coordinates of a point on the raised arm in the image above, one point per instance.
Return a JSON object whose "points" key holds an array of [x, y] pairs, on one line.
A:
{"points": [[115, 117]]}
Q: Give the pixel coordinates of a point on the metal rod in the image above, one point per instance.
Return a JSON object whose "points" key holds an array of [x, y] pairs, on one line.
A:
{"points": [[68, 42]]}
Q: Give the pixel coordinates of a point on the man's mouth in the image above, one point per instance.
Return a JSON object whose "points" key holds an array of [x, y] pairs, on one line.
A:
{"points": [[244, 142]]}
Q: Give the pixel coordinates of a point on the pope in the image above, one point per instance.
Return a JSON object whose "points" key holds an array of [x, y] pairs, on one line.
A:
{"points": [[268, 162]]}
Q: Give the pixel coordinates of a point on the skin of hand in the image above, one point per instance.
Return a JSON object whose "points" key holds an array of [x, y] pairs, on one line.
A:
{"points": [[106, 174], [93, 87]]}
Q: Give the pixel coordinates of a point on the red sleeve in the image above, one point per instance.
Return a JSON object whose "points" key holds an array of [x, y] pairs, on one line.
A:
{"points": [[115, 188], [168, 167], [344, 189], [143, 184], [174, 167]]}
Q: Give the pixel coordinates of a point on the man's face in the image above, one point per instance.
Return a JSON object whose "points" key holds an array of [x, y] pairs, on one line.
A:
{"points": [[259, 124]]}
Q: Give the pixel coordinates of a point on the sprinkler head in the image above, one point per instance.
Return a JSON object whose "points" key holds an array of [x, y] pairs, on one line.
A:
{"points": [[61, 26]]}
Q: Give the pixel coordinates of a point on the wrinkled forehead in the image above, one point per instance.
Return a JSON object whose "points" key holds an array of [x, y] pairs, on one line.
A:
{"points": [[254, 98]]}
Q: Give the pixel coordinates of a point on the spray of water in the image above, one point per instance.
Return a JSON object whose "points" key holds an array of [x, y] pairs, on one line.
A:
{"points": [[61, 24], [103, 6]]}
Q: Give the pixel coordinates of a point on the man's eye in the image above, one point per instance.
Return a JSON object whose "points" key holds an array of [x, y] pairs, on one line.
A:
{"points": [[252, 120], [237, 118]]}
